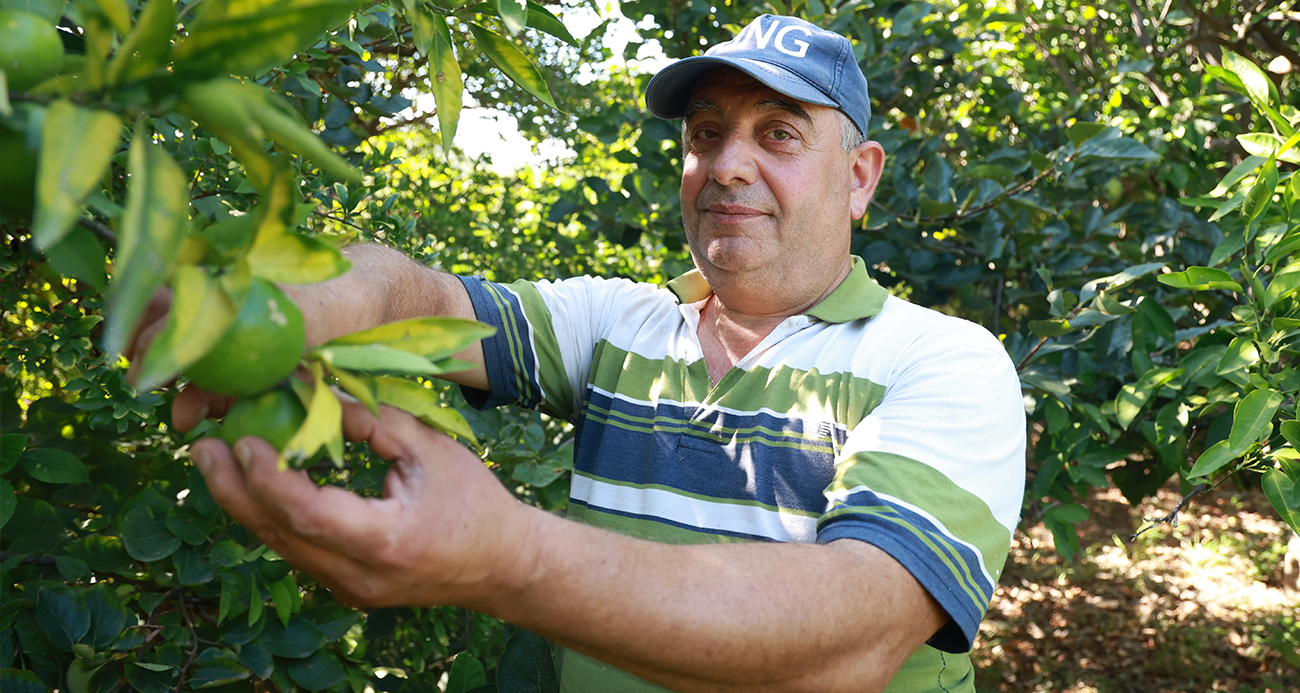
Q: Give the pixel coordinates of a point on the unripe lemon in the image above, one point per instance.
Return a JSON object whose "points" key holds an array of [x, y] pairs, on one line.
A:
{"points": [[30, 49], [261, 348], [274, 417]]}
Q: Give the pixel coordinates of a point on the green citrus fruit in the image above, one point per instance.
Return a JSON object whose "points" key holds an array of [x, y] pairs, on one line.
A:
{"points": [[30, 49], [17, 174], [261, 348], [274, 417]]}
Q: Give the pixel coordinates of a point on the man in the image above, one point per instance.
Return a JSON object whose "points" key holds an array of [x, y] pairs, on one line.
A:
{"points": [[785, 479]]}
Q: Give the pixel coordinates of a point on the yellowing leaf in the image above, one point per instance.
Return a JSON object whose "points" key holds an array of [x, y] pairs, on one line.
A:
{"points": [[422, 403], [200, 313], [445, 77], [322, 427], [76, 148], [431, 337], [149, 237], [296, 259]]}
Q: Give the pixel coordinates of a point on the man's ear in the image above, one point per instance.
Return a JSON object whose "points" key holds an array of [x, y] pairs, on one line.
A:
{"points": [[868, 163]]}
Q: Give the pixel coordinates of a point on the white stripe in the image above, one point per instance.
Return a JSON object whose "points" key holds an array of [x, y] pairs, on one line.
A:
{"points": [[811, 423], [707, 516], [843, 496]]}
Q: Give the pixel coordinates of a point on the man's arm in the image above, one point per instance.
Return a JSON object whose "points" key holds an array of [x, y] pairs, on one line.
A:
{"points": [[781, 617]]}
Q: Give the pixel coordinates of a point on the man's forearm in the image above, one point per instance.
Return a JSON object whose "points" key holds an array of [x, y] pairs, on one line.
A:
{"points": [[384, 286], [781, 617]]}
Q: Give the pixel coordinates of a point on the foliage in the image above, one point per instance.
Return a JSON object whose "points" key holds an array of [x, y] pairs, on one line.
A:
{"points": [[1056, 173]]}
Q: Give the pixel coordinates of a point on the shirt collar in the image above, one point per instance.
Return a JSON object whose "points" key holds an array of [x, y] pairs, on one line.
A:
{"points": [[856, 298]]}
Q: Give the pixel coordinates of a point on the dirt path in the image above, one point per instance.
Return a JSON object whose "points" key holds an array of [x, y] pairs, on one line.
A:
{"points": [[1196, 608]]}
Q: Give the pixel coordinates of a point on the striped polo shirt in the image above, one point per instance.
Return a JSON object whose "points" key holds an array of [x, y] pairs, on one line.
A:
{"points": [[866, 418]]}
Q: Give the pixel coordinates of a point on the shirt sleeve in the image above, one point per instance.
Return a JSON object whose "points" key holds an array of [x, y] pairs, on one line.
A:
{"points": [[934, 475], [540, 356]]}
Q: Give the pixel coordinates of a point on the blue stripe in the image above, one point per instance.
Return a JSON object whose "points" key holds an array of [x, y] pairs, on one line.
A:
{"points": [[508, 354], [687, 457], [919, 558]]}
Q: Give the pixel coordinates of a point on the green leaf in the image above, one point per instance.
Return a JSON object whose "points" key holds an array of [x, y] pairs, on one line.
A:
{"points": [[80, 255], [256, 659], [284, 594], [1200, 279], [149, 237], [62, 615], [432, 337], [226, 553], [1267, 145], [1251, 417], [1280, 489], [292, 258], [526, 665], [541, 18], [1083, 131], [1117, 148], [287, 131], [376, 358], [1280, 287], [200, 313], [118, 14], [359, 385], [103, 554], [319, 671], [222, 106], [108, 618], [8, 502], [146, 538], [1241, 170], [21, 681], [1291, 431], [1258, 86], [514, 13], [1050, 328], [300, 638], [322, 427], [1133, 397], [148, 46], [1212, 459], [218, 671], [11, 450], [76, 147], [1241, 353], [54, 466], [423, 403], [1152, 317], [466, 673], [512, 63], [191, 568], [249, 37], [446, 80], [1068, 512]]}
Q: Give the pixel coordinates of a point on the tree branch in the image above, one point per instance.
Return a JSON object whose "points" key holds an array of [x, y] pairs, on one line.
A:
{"points": [[99, 228]]}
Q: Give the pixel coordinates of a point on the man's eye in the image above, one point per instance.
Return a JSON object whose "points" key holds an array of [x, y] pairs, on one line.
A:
{"points": [[705, 134], [781, 135]]}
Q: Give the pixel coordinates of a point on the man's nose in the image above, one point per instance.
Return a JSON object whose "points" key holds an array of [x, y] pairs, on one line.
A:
{"points": [[733, 162]]}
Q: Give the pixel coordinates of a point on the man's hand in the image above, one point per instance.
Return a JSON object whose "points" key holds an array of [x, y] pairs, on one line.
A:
{"points": [[444, 532]]}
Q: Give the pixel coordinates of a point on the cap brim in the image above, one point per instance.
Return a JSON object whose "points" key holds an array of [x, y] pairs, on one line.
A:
{"points": [[669, 91]]}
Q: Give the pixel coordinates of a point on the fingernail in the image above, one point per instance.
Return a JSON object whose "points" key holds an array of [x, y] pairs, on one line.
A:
{"points": [[204, 410], [202, 460], [244, 454]]}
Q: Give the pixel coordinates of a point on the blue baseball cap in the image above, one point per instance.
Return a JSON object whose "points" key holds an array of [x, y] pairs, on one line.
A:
{"points": [[788, 54]]}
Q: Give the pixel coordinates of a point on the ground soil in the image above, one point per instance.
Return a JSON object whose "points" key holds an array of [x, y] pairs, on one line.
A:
{"points": [[1202, 606]]}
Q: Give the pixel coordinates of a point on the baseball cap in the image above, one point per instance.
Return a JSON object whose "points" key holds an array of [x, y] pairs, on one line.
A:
{"points": [[797, 59]]}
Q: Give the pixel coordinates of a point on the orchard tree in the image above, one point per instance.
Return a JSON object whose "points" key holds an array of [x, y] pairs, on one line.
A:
{"points": [[1109, 187]]}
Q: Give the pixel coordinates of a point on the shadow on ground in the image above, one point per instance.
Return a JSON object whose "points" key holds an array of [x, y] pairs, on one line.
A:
{"points": [[1195, 608]]}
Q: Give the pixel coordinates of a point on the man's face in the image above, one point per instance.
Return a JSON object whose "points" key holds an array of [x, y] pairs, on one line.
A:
{"points": [[767, 189]]}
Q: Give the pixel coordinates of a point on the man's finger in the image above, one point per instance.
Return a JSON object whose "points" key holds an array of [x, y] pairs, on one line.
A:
{"points": [[325, 516], [193, 405], [227, 483], [149, 324]]}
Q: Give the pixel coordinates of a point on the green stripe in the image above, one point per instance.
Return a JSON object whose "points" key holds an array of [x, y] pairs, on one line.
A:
{"points": [[698, 496], [513, 342], [552, 374], [720, 434], [840, 397], [937, 543], [955, 674], [964, 514], [646, 529]]}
